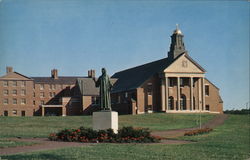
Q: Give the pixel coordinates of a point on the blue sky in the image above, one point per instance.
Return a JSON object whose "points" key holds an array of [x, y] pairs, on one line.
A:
{"points": [[76, 35]]}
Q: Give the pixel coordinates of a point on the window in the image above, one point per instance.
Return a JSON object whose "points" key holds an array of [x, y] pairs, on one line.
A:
{"points": [[14, 112], [5, 83], [42, 95], [14, 83], [23, 113], [23, 92], [23, 101], [207, 107], [93, 100], [41, 86], [34, 102], [184, 81], [14, 101], [5, 113], [170, 82], [23, 83], [50, 94], [171, 103], [181, 82], [149, 88], [53, 86], [183, 102], [5, 101], [42, 102], [5, 92], [34, 94], [14, 92], [54, 94], [206, 90]]}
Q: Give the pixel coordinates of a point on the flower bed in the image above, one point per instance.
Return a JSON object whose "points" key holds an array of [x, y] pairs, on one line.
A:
{"points": [[198, 131], [87, 135]]}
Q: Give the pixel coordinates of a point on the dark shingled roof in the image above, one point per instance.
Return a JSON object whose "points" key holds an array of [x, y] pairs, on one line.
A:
{"points": [[87, 86], [132, 78], [60, 80]]}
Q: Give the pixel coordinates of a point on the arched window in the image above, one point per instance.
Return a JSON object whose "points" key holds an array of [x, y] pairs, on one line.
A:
{"points": [[171, 103], [183, 102]]}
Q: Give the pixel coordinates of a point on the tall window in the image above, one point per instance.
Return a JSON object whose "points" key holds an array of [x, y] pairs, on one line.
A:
{"points": [[34, 102], [149, 88], [42, 102], [42, 95], [207, 107], [170, 82], [14, 112], [41, 86], [5, 101], [23, 113], [23, 101], [14, 83], [5, 113], [14, 92], [207, 90], [183, 102], [171, 103], [5, 83], [34, 94], [5, 92], [23, 83], [181, 82], [23, 92], [94, 100], [14, 101]]}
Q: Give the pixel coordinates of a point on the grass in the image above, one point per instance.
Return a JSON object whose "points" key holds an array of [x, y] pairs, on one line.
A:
{"points": [[229, 141], [43, 126], [5, 143]]}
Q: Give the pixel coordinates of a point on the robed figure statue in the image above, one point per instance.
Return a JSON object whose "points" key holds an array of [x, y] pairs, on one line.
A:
{"points": [[105, 86]]}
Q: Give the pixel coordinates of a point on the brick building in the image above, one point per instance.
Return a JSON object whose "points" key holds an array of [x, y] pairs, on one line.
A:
{"points": [[55, 95], [175, 84]]}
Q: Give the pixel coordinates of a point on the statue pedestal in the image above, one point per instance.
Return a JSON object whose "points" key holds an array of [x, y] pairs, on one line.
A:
{"points": [[104, 120]]}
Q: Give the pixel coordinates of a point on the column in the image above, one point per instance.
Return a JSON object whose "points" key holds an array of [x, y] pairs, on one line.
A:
{"points": [[42, 111], [199, 94], [166, 94], [203, 93], [178, 93], [191, 94], [163, 107]]}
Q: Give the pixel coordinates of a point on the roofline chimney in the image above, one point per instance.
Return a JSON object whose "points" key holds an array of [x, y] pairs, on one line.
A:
{"points": [[91, 73], [54, 73], [9, 69]]}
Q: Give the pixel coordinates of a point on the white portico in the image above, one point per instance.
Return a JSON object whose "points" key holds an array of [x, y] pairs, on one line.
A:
{"points": [[182, 86]]}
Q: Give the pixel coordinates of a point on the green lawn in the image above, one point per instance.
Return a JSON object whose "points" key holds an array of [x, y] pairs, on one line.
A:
{"points": [[42, 126], [229, 141], [5, 143]]}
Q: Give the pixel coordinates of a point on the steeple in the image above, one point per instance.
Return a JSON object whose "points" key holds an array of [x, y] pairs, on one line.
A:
{"points": [[177, 45]]}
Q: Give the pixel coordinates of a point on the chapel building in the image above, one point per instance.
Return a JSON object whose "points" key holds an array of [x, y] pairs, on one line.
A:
{"points": [[175, 84]]}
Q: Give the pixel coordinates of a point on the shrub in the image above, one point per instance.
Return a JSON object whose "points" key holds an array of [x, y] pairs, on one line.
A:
{"points": [[124, 135], [198, 131]]}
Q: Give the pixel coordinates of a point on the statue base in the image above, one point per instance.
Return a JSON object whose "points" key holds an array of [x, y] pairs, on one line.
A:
{"points": [[104, 120]]}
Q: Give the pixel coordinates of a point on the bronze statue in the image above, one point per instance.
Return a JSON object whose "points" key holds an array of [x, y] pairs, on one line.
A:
{"points": [[105, 87]]}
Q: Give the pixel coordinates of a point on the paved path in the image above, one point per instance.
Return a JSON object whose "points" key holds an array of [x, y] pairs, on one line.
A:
{"points": [[42, 144], [45, 144], [216, 121]]}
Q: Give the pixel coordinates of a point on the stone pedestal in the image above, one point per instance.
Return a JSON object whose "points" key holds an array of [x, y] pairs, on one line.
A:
{"points": [[104, 120]]}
